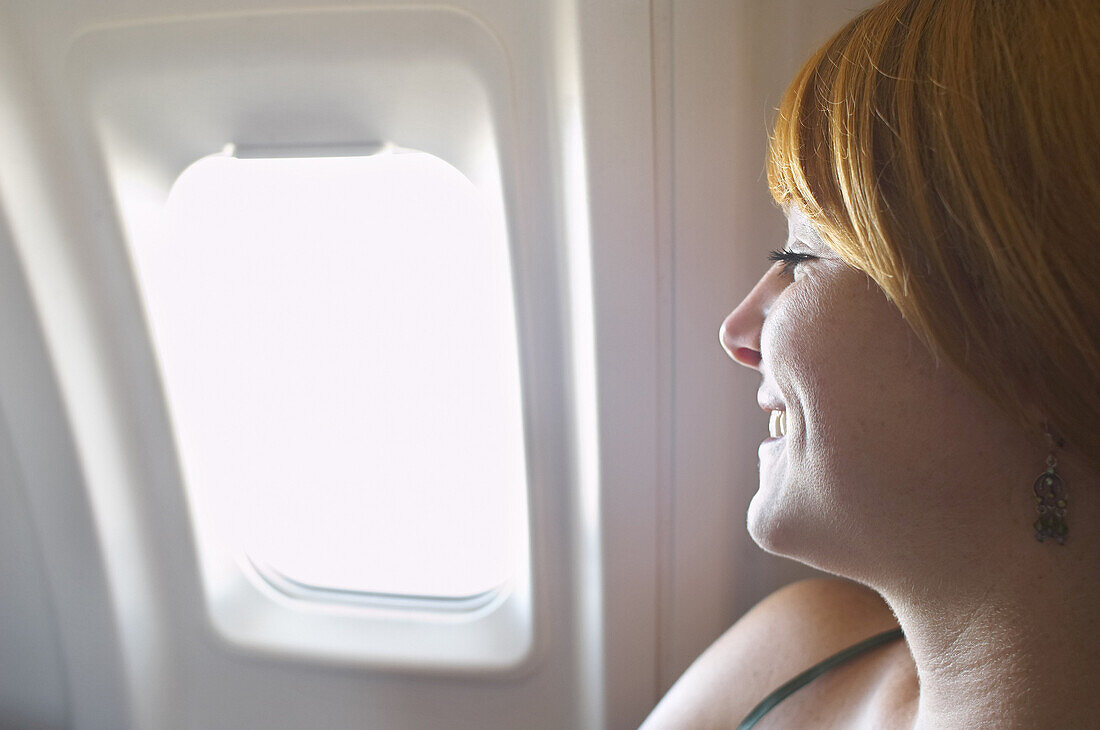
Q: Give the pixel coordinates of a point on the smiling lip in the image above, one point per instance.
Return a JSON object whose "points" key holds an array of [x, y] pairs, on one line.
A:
{"points": [[767, 402]]}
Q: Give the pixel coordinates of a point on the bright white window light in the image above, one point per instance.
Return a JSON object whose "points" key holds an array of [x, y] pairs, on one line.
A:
{"points": [[338, 346]]}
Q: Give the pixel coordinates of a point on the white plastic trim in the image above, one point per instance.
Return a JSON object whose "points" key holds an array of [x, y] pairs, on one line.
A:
{"points": [[162, 95]]}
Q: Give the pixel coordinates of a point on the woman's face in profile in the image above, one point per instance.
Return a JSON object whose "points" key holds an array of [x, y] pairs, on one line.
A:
{"points": [[864, 425]]}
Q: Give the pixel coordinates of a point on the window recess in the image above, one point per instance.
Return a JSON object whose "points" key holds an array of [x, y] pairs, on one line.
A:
{"points": [[338, 346], [334, 324]]}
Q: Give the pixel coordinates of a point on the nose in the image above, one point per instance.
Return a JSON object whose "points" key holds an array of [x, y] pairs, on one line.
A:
{"points": [[740, 331]]}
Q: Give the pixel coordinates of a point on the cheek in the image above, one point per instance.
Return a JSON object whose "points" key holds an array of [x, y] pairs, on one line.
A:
{"points": [[823, 349], [854, 378], [878, 415]]}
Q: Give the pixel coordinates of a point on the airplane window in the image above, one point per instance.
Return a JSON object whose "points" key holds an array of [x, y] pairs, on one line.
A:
{"points": [[338, 347]]}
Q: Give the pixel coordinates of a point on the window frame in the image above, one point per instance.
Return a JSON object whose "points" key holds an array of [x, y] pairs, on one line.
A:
{"points": [[438, 80]]}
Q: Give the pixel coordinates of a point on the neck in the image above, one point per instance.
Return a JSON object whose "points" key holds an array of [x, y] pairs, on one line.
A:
{"points": [[1011, 648]]}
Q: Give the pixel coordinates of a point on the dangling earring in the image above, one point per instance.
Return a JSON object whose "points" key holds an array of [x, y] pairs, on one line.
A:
{"points": [[1051, 497]]}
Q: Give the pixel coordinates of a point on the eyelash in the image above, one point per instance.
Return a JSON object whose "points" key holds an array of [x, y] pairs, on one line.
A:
{"points": [[788, 259]]}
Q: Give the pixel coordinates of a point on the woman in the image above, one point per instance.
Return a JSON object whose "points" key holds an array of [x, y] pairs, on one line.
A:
{"points": [[929, 346]]}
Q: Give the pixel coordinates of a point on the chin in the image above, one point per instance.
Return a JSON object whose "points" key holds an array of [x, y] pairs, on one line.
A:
{"points": [[772, 525], [793, 527]]}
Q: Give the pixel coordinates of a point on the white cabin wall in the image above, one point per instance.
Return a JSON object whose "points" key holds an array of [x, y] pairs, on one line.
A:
{"points": [[616, 80], [33, 692], [67, 541]]}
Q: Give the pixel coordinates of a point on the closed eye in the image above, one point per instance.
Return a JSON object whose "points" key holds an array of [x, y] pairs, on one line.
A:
{"points": [[788, 259]]}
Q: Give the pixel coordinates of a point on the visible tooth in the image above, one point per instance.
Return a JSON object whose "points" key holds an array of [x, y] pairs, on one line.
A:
{"points": [[774, 427], [782, 423]]}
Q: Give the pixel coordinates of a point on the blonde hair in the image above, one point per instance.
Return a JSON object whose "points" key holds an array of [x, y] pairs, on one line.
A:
{"points": [[950, 149]]}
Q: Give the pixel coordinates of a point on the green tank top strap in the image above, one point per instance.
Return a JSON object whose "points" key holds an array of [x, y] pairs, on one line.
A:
{"points": [[814, 672]]}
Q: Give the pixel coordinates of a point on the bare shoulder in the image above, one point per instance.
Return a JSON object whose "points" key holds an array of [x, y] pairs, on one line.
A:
{"points": [[786, 633]]}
